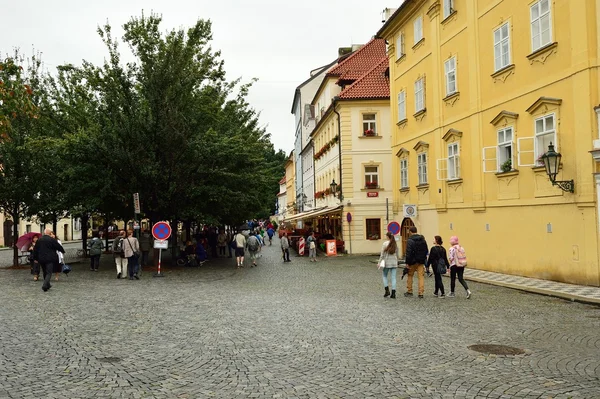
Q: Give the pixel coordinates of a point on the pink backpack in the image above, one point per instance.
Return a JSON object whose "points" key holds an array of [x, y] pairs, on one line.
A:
{"points": [[460, 255]]}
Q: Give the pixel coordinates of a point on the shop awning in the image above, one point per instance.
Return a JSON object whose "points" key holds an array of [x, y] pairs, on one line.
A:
{"points": [[302, 215], [326, 210]]}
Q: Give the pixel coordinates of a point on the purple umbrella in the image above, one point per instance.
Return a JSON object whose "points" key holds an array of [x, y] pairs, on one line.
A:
{"points": [[25, 240]]}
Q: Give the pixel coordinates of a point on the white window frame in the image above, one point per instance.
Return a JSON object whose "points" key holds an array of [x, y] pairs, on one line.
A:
{"points": [[503, 145], [448, 8], [422, 167], [536, 24], [371, 123], [420, 95], [418, 29], [370, 176], [500, 42], [450, 72], [401, 106], [453, 167], [539, 135], [404, 173], [400, 46]]}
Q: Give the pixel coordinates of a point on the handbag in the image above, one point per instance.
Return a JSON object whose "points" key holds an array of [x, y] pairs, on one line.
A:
{"points": [[66, 269], [381, 264]]}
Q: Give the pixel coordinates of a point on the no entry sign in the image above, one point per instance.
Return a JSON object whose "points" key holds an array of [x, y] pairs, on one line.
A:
{"points": [[161, 231]]}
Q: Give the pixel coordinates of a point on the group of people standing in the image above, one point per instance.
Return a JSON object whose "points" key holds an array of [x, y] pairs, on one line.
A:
{"points": [[418, 258]]}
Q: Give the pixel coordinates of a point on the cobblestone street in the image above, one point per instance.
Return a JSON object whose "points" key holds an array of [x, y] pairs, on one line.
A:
{"points": [[297, 330]]}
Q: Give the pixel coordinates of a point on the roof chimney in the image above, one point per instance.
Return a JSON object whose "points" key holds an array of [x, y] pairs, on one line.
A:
{"points": [[386, 14]]}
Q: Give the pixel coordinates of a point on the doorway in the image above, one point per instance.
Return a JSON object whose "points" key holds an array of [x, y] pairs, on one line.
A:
{"points": [[65, 232], [407, 223]]}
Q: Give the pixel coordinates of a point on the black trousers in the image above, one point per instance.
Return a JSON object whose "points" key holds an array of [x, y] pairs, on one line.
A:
{"points": [[439, 284], [454, 272], [94, 262], [47, 271], [286, 254]]}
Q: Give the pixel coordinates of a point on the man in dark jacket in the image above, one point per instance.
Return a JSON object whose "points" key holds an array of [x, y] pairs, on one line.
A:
{"points": [[416, 255], [45, 254]]}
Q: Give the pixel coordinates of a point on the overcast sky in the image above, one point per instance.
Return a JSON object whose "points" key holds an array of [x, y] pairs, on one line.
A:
{"points": [[276, 41]]}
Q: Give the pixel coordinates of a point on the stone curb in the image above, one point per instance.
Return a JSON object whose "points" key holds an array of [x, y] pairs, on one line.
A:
{"points": [[534, 290]]}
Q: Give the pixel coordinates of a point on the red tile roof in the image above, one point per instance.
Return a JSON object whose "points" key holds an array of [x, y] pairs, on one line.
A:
{"points": [[374, 84], [361, 61], [282, 181]]}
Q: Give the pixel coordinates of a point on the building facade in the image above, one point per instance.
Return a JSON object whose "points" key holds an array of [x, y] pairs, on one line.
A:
{"points": [[281, 210], [290, 185], [481, 90]]}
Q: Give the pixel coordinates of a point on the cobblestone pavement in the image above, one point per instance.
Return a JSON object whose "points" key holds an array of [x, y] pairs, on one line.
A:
{"points": [[297, 330]]}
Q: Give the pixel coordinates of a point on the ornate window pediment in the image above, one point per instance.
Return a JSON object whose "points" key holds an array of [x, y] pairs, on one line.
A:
{"points": [[421, 146], [452, 135], [544, 104], [504, 118], [402, 153]]}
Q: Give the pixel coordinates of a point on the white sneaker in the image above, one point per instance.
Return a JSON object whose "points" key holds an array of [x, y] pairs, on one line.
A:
{"points": [[468, 294], [451, 295]]}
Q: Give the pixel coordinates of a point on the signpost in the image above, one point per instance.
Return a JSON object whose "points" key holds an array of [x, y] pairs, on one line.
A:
{"points": [[136, 203], [349, 220], [161, 232]]}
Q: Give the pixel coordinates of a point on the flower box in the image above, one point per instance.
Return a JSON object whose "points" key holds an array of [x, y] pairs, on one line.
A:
{"points": [[369, 133]]}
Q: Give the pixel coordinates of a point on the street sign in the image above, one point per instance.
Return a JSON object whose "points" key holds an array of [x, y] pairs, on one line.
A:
{"points": [[394, 228], [372, 194], [136, 203], [410, 211], [161, 231], [349, 217], [161, 244]]}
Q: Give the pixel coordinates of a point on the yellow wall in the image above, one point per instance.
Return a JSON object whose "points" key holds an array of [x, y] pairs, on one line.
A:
{"points": [[502, 218], [290, 184]]}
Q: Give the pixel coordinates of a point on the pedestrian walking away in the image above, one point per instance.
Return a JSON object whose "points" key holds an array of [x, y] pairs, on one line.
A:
{"points": [[58, 267], [270, 233], [458, 262], [389, 260], [119, 255], [95, 247], [438, 261], [240, 245], [222, 242], [285, 247], [311, 241], [45, 253], [253, 246], [146, 243], [416, 255], [131, 250]]}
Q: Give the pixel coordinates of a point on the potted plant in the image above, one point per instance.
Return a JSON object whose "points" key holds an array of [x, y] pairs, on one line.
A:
{"points": [[506, 166], [369, 132], [540, 160], [371, 184]]}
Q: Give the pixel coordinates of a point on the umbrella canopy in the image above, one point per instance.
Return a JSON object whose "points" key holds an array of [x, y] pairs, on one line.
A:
{"points": [[25, 240]]}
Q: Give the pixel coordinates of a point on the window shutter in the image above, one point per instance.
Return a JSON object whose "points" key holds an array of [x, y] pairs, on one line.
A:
{"points": [[442, 169], [526, 151], [490, 159]]}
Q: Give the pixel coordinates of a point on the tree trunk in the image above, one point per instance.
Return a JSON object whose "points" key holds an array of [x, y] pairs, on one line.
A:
{"points": [[188, 229], [15, 218], [55, 224], [84, 229], [106, 232]]}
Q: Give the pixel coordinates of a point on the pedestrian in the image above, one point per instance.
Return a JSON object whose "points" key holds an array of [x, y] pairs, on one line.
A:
{"points": [[253, 246], [45, 254], [416, 255], [389, 257], [119, 255], [146, 243], [285, 247], [35, 266], [311, 241], [95, 247], [240, 244], [458, 261], [61, 259], [438, 260], [222, 242], [131, 250], [270, 233]]}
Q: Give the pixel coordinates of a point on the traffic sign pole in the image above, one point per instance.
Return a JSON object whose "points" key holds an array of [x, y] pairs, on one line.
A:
{"points": [[160, 231]]}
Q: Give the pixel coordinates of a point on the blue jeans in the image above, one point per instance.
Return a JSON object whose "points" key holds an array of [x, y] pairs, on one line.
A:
{"points": [[386, 270]]}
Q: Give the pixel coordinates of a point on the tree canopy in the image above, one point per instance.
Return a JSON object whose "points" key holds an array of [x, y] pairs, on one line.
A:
{"points": [[168, 125]]}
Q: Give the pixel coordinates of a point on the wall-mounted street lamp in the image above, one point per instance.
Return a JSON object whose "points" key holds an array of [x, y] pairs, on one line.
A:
{"points": [[551, 161], [334, 187]]}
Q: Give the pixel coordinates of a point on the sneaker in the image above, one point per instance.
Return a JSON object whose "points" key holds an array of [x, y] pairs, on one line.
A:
{"points": [[408, 294], [420, 296], [442, 296], [118, 275], [451, 295], [435, 294], [468, 294], [429, 274]]}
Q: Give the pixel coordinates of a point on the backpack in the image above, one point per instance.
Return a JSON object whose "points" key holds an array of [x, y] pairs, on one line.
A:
{"points": [[118, 247], [253, 244], [461, 256]]}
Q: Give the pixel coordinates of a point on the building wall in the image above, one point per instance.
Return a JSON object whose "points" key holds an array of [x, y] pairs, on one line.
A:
{"points": [[511, 222], [308, 175], [290, 185]]}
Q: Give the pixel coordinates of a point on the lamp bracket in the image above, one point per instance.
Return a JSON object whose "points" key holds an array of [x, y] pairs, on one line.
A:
{"points": [[565, 185]]}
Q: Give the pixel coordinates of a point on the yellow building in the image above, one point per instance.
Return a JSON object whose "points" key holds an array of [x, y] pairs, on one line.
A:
{"points": [[290, 184], [480, 90], [352, 138]]}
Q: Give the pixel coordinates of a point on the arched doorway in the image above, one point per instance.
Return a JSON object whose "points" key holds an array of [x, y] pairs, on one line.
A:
{"points": [[8, 234], [407, 223]]}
